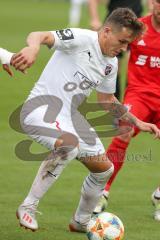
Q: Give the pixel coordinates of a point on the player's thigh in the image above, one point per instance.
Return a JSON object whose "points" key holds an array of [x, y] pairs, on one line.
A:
{"points": [[93, 156], [91, 150], [137, 106], [48, 133]]}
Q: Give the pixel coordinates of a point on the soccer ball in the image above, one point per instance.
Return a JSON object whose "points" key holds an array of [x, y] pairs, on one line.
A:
{"points": [[105, 226]]}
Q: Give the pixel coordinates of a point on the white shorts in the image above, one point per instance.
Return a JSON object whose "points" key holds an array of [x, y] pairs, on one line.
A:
{"points": [[47, 133]]}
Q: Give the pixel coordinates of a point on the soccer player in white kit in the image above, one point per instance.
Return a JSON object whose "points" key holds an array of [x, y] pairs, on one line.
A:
{"points": [[83, 60]]}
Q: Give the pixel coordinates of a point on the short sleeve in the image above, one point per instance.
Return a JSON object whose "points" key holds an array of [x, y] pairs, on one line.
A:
{"points": [[70, 39]]}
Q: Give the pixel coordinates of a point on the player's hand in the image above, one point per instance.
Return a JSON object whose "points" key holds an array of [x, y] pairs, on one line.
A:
{"points": [[7, 69], [148, 127], [25, 58]]}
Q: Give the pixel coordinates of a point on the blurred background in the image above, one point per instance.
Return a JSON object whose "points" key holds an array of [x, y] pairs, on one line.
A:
{"points": [[130, 194]]}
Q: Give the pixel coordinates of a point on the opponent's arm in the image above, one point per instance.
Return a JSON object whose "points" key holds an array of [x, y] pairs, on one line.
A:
{"points": [[95, 21], [110, 103], [27, 56], [149, 6]]}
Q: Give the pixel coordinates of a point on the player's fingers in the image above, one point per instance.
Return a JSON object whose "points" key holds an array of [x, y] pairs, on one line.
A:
{"points": [[15, 57], [7, 69], [19, 61], [23, 71], [19, 66], [26, 65], [156, 131], [23, 68], [158, 134]]}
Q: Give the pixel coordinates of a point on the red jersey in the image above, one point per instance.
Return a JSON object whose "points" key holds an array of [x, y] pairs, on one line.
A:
{"points": [[144, 62]]}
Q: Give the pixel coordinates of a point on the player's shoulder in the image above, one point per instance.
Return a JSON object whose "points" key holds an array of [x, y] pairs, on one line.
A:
{"points": [[85, 38], [75, 39], [75, 33], [84, 33], [145, 19]]}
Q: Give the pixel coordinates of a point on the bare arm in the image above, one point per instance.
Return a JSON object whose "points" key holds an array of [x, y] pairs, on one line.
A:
{"points": [[27, 56], [35, 39], [95, 22], [110, 103], [149, 6]]}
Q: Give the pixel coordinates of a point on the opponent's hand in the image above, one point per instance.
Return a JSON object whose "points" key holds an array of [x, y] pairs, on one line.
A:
{"points": [[7, 69], [25, 58], [148, 127], [5, 59]]}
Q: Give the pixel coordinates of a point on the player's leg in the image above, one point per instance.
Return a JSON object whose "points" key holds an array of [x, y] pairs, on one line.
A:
{"points": [[63, 149], [118, 147], [156, 202], [116, 153], [48, 173], [75, 12], [100, 171], [156, 194]]}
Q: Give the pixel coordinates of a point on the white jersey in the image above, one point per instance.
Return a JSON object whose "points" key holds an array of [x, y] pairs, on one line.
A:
{"points": [[76, 67]]}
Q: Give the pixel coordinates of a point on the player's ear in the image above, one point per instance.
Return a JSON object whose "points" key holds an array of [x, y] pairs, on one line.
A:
{"points": [[107, 30]]}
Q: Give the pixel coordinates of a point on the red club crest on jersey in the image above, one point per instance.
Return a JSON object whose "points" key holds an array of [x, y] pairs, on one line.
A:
{"points": [[108, 69]]}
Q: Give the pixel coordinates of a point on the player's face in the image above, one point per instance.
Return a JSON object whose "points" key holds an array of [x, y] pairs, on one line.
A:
{"points": [[156, 11], [115, 42]]}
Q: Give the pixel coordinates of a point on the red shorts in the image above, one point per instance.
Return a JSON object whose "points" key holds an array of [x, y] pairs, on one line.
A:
{"points": [[145, 106]]}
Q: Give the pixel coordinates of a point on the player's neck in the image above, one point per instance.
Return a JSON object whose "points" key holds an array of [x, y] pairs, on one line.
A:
{"points": [[155, 24]]}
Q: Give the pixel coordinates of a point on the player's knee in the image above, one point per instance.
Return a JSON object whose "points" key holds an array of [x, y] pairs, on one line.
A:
{"points": [[72, 154], [67, 146], [102, 177]]}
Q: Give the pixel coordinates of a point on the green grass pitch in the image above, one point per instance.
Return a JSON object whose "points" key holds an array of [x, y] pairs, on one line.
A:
{"points": [[130, 194]]}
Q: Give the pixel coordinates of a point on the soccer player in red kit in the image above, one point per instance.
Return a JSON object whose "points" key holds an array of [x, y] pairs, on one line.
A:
{"points": [[142, 96]]}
